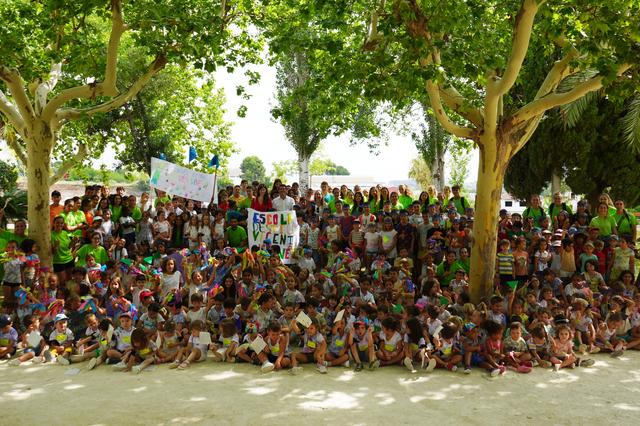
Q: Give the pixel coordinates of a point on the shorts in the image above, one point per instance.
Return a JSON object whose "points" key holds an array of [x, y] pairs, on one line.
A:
{"points": [[308, 356], [61, 267], [36, 351], [476, 359], [222, 352], [363, 355], [273, 358]]}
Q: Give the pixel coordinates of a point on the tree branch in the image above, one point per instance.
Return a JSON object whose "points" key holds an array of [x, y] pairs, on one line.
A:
{"points": [[16, 86], [520, 44], [46, 87], [118, 28], [441, 115], [68, 164], [118, 101], [454, 100], [104, 88], [18, 150], [545, 103], [11, 112], [491, 103], [557, 73]]}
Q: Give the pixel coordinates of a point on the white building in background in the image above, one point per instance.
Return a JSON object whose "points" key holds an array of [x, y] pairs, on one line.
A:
{"points": [[365, 182]]}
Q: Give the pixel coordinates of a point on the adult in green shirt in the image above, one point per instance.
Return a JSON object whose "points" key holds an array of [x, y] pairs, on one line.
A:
{"points": [[534, 210], [116, 208], [460, 202], [626, 222], [236, 235], [557, 206], [132, 204], [404, 198], [606, 199], [246, 202], [395, 202], [61, 248], [606, 224], [99, 253]]}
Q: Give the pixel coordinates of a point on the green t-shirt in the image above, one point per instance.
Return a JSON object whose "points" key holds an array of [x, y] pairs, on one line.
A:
{"points": [[535, 213], [116, 212], [554, 210], [245, 203], [626, 223], [63, 253], [405, 200], [236, 236], [606, 225], [99, 253], [461, 204], [136, 214]]}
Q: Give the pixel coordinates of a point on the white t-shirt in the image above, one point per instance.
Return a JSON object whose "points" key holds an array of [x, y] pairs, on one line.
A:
{"points": [[170, 282], [282, 204]]}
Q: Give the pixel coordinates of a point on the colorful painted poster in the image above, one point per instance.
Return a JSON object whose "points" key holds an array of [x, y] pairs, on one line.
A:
{"points": [[274, 228], [180, 181]]}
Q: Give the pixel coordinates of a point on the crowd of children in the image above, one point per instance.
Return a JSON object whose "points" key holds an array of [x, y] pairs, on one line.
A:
{"points": [[379, 280]]}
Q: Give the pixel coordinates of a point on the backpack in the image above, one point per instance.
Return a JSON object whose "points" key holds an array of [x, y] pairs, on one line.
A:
{"points": [[564, 207]]}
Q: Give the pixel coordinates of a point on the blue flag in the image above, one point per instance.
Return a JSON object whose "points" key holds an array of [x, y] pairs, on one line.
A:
{"points": [[162, 156], [215, 162], [192, 153]]}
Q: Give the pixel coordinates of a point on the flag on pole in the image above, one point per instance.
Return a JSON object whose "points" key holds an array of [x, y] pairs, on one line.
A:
{"points": [[162, 156], [215, 162], [193, 154]]}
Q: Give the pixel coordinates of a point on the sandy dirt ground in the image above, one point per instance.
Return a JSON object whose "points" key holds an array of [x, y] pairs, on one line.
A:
{"points": [[209, 393]]}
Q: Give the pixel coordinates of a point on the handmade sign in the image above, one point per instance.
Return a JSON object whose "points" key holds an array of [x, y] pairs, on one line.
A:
{"points": [[258, 344], [205, 338], [275, 228], [303, 319], [178, 180]]}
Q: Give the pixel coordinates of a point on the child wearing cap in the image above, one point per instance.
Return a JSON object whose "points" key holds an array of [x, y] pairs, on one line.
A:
{"points": [[8, 337], [61, 340]]}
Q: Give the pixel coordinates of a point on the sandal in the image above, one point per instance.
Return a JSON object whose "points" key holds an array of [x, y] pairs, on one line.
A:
{"points": [[184, 365], [174, 364]]}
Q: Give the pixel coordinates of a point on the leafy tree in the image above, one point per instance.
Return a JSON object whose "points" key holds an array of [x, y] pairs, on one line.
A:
{"points": [[252, 169], [420, 172], [467, 56], [180, 107], [8, 176], [324, 166], [432, 142], [460, 156], [85, 36], [283, 168], [339, 171]]}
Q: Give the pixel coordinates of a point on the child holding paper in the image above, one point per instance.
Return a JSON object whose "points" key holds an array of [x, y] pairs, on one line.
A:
{"points": [[195, 351], [341, 340], [230, 342], [314, 347], [32, 341], [276, 351]]}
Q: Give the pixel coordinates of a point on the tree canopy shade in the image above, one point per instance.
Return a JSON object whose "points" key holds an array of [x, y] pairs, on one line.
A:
{"points": [[59, 63], [465, 57]]}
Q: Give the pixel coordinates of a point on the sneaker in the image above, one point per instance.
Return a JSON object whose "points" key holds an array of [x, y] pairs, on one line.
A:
{"points": [[15, 362], [594, 350], [346, 364], [523, 369], [586, 362], [556, 367], [120, 366], [467, 370], [322, 369], [174, 364], [452, 367], [136, 369], [47, 356], [502, 369], [359, 367], [37, 360], [62, 360], [582, 348], [296, 370], [495, 372], [407, 363], [92, 364], [267, 367], [431, 365], [617, 353], [374, 365]]}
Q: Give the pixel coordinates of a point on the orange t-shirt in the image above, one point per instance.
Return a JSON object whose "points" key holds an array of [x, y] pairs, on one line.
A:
{"points": [[55, 211]]}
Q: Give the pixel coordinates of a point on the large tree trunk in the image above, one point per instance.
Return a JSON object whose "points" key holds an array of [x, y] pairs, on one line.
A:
{"points": [[437, 168], [556, 181], [38, 172], [304, 176], [489, 189]]}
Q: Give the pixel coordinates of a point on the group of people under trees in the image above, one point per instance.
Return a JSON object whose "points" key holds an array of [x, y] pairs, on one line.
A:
{"points": [[380, 278]]}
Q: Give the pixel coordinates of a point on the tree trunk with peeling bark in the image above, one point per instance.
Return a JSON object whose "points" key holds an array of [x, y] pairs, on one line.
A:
{"points": [[304, 178]]}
